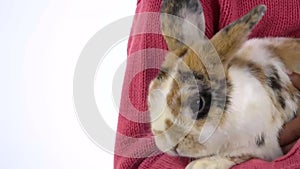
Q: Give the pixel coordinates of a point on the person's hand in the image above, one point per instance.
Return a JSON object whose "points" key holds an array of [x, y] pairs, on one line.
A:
{"points": [[291, 131], [295, 79]]}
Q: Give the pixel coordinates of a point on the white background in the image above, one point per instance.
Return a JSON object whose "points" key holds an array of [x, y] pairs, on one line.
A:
{"points": [[40, 42]]}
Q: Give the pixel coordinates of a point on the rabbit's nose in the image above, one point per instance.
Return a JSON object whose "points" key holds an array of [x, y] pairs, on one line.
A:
{"points": [[175, 149]]}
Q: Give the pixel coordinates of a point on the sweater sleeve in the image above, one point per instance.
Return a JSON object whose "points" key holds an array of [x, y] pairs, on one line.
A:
{"points": [[135, 147]]}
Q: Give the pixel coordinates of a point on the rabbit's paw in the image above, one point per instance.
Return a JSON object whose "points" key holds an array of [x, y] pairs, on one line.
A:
{"points": [[210, 163]]}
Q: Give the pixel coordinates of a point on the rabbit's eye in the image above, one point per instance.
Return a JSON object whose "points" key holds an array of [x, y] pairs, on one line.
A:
{"points": [[197, 106]]}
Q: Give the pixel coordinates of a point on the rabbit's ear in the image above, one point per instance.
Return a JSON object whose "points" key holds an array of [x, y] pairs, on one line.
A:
{"points": [[230, 39], [182, 23]]}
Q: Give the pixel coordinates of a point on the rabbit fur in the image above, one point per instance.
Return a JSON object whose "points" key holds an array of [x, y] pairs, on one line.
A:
{"points": [[224, 100]]}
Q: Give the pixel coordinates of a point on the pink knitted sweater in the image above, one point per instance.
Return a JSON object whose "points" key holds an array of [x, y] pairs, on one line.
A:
{"points": [[282, 19]]}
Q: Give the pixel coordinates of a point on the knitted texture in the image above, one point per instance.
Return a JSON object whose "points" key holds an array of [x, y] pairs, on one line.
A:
{"points": [[146, 51]]}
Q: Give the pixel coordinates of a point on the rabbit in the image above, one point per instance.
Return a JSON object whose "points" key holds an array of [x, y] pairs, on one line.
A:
{"points": [[224, 100]]}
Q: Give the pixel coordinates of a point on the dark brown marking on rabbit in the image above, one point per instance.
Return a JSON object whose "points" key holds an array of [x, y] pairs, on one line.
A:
{"points": [[275, 83], [162, 73], [228, 92], [273, 80], [260, 140], [255, 69], [281, 101]]}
